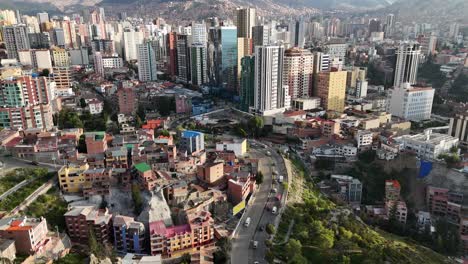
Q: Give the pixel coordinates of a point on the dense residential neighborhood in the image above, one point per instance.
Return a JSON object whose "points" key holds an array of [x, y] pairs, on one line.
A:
{"points": [[326, 137]]}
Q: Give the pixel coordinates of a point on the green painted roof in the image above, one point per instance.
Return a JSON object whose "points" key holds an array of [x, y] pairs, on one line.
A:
{"points": [[142, 167]]}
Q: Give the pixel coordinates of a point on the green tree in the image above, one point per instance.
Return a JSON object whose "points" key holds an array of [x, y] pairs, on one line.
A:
{"points": [[137, 199], [138, 121], [82, 103], [222, 255], [94, 247], [325, 239], [259, 178], [270, 229], [293, 248], [367, 156], [186, 259], [255, 126], [82, 144], [45, 72]]}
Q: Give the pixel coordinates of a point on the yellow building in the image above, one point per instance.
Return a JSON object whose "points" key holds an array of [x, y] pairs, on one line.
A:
{"points": [[71, 177], [244, 48], [60, 57], [354, 74], [331, 88]]}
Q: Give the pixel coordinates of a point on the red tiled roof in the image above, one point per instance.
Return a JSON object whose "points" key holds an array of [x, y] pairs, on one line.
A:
{"points": [[395, 183], [19, 228], [13, 142]]}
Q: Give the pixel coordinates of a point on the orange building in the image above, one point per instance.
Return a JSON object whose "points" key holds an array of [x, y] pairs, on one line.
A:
{"points": [[210, 172], [29, 234]]}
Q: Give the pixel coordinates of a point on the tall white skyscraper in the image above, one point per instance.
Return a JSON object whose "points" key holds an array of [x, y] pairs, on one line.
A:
{"points": [[147, 62], [297, 33], [15, 38], [199, 35], [406, 68], [270, 94], [131, 39], [454, 29], [321, 62]]}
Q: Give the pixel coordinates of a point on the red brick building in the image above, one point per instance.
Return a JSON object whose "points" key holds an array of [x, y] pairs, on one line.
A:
{"points": [[96, 142], [127, 100], [81, 219]]}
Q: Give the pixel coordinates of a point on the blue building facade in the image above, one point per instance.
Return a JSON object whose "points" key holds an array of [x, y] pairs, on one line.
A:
{"points": [[192, 141], [129, 235]]}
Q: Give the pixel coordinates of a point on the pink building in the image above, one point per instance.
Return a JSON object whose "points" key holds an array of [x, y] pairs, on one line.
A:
{"points": [[443, 202], [183, 104], [29, 234], [96, 142], [176, 240]]}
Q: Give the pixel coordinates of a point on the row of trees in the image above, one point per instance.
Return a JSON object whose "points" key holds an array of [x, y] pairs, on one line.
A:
{"points": [[67, 118]]}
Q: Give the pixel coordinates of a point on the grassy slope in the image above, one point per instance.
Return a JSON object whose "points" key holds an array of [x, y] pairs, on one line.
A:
{"points": [[352, 240]]}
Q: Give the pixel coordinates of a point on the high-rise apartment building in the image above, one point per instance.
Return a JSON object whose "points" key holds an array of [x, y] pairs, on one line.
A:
{"points": [[244, 48], [260, 35], [375, 26], [39, 59], [198, 64], [246, 18], [459, 128], [270, 94], [410, 102], [98, 64], [222, 57], [337, 50], [147, 62], [199, 35], [172, 53], [406, 68], [183, 58], [331, 88], [60, 57], [321, 62], [389, 25], [131, 39], [16, 39], [25, 102], [298, 72], [247, 83], [428, 44], [297, 33]]}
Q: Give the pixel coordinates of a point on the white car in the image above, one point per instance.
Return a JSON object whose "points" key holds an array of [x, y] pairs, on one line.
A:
{"points": [[255, 244]]}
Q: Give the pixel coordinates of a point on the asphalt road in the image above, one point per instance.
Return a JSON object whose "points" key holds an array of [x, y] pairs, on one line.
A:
{"points": [[242, 243]]}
